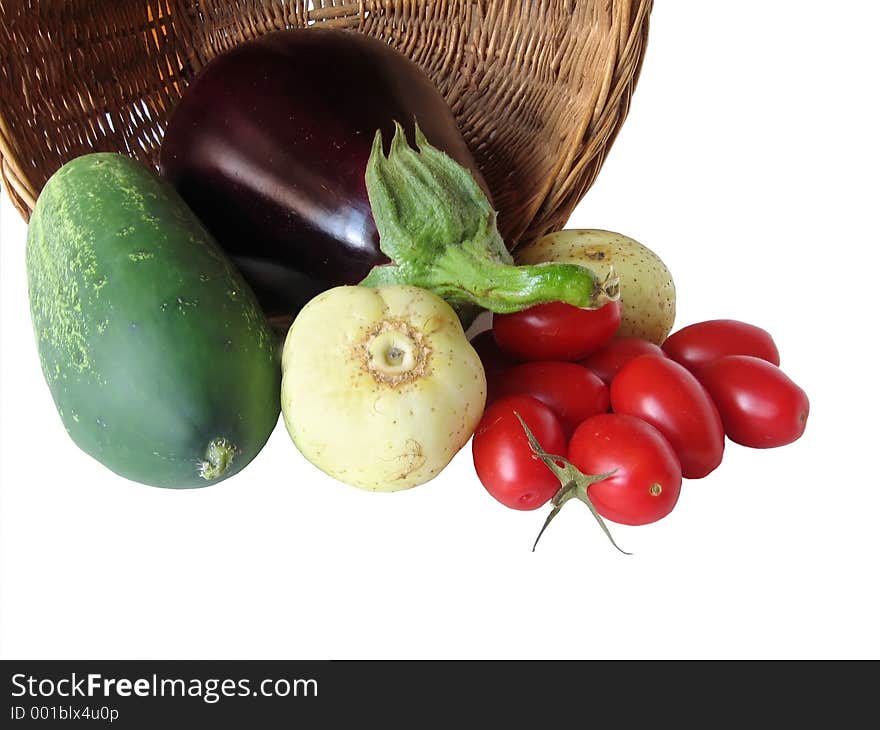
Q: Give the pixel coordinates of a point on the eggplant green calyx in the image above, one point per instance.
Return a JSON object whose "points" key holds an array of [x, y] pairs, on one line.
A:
{"points": [[574, 485], [439, 230]]}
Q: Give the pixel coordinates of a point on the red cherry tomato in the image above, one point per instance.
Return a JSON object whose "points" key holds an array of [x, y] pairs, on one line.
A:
{"points": [[610, 360], [504, 459], [495, 360], [647, 476], [697, 345], [556, 331], [664, 394], [571, 391], [760, 405]]}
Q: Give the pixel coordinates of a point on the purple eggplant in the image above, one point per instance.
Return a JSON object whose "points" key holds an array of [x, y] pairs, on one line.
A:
{"points": [[269, 145]]}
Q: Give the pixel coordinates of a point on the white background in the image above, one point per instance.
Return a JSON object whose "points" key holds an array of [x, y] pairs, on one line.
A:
{"points": [[750, 163]]}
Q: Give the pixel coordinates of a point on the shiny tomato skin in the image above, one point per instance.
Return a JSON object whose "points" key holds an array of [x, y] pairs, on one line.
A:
{"points": [[760, 405], [647, 476], [610, 360], [504, 459], [700, 344], [663, 393], [570, 390], [556, 331]]}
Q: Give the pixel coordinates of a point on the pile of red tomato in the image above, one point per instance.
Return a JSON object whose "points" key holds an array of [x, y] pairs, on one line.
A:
{"points": [[648, 415]]}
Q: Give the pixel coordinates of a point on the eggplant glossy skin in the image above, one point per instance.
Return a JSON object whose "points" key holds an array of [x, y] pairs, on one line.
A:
{"points": [[269, 146]]}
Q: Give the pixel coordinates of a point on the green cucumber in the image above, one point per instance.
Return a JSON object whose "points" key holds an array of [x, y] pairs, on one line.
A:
{"points": [[159, 359]]}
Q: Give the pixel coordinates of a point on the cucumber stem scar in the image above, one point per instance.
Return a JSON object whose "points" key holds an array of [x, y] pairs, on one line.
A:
{"points": [[218, 458]]}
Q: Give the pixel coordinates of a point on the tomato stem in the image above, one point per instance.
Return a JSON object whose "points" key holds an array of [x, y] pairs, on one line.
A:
{"points": [[559, 499], [574, 484]]}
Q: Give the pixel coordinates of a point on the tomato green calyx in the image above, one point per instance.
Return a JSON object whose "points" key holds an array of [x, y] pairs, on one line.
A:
{"points": [[574, 485], [439, 230]]}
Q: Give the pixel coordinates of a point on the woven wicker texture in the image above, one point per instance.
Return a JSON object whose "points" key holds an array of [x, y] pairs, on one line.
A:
{"points": [[539, 87]]}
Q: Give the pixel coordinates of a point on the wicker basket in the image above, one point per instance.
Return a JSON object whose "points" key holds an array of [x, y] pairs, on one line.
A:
{"points": [[539, 87]]}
